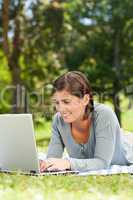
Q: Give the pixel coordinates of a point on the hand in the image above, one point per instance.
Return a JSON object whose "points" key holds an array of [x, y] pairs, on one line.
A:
{"points": [[44, 164], [55, 164]]}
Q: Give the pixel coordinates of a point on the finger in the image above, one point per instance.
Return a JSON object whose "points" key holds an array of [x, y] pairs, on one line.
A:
{"points": [[52, 168], [41, 162], [45, 165], [49, 163], [42, 166]]}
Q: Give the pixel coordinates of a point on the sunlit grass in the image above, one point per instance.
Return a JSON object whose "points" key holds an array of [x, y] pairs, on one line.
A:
{"points": [[127, 120], [66, 187]]}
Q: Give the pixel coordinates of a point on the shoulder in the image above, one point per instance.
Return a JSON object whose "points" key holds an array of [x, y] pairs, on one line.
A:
{"points": [[102, 108], [104, 115]]}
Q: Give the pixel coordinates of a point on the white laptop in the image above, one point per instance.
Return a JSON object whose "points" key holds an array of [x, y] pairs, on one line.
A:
{"points": [[18, 147]]}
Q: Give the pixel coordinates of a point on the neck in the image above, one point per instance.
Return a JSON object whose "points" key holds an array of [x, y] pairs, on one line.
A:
{"points": [[81, 125]]}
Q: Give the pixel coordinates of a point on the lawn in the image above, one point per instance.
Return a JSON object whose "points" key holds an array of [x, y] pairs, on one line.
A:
{"points": [[20, 187], [17, 187], [127, 120]]}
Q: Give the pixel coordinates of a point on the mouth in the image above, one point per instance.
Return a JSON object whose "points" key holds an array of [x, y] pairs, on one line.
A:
{"points": [[65, 115]]}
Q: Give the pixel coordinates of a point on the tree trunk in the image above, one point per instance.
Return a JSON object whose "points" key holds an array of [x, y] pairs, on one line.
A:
{"points": [[5, 20], [116, 102], [15, 70], [13, 56], [117, 79]]}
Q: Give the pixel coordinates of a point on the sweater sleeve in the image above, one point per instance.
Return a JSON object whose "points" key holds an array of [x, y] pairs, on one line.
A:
{"points": [[105, 132], [56, 145]]}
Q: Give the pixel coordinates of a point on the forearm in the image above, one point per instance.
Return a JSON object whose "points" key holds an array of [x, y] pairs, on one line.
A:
{"points": [[87, 164]]}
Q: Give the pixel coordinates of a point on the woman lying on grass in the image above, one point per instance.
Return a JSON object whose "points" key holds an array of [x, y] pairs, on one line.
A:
{"points": [[89, 131]]}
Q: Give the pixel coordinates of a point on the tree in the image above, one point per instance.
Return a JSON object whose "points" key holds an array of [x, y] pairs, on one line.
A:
{"points": [[101, 45], [51, 37], [30, 57], [12, 48]]}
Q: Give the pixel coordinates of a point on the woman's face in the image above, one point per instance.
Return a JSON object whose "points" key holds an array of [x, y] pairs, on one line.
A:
{"points": [[71, 108]]}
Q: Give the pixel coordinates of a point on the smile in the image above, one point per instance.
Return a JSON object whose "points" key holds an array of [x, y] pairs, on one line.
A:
{"points": [[66, 114]]}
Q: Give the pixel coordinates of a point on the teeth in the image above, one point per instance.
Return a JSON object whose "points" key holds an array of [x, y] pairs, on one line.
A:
{"points": [[65, 114]]}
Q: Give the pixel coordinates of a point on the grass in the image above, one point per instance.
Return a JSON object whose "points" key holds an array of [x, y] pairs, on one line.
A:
{"points": [[127, 120], [116, 187]]}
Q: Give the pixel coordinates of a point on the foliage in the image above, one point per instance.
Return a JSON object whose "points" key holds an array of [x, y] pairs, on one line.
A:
{"points": [[55, 36]]}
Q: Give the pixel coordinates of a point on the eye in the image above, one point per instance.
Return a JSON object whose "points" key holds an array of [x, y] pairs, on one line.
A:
{"points": [[66, 101]]}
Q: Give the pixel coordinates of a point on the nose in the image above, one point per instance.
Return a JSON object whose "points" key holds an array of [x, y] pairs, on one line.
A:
{"points": [[61, 107]]}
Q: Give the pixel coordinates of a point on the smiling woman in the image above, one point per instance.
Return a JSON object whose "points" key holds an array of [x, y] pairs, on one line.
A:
{"points": [[89, 131]]}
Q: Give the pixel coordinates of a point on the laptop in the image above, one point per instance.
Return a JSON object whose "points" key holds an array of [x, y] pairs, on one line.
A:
{"points": [[18, 152]]}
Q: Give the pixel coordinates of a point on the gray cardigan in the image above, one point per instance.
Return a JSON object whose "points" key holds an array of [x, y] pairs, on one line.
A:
{"points": [[105, 145]]}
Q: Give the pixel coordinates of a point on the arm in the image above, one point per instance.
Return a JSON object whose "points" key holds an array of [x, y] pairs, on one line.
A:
{"points": [[105, 131], [56, 146]]}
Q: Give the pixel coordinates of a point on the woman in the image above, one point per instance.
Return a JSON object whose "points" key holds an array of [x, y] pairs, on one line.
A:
{"points": [[89, 131]]}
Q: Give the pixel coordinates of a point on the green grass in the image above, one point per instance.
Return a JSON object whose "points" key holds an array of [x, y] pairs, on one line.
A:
{"points": [[127, 120], [126, 113], [117, 187]]}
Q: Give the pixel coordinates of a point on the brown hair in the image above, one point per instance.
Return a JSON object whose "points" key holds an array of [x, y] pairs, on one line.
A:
{"points": [[77, 84]]}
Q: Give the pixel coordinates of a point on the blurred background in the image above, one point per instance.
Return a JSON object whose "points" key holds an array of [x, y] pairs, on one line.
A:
{"points": [[41, 39]]}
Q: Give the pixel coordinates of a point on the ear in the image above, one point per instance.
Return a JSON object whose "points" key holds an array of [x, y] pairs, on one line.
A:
{"points": [[86, 99]]}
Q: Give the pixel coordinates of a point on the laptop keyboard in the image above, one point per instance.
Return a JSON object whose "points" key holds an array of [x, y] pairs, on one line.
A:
{"points": [[46, 172]]}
